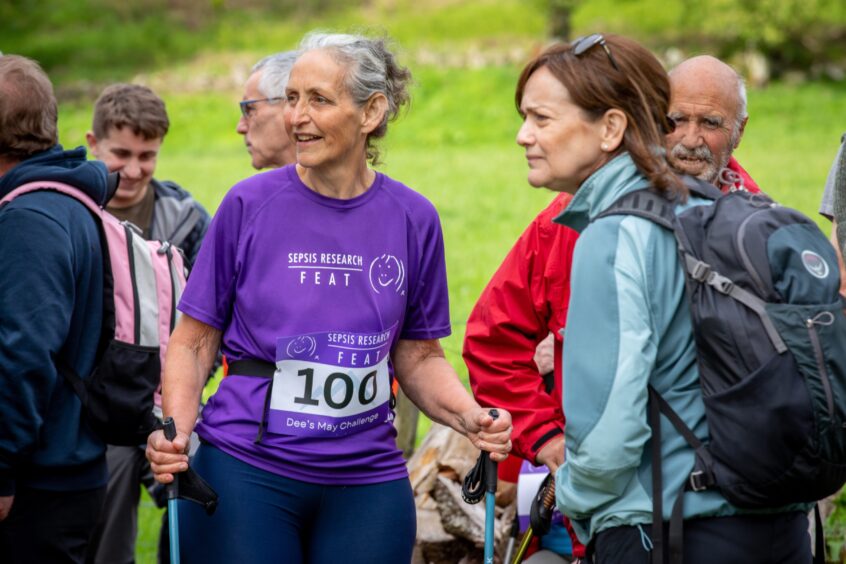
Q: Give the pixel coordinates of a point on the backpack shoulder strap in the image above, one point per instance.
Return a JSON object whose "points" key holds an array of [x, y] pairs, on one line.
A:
{"points": [[701, 188], [644, 203], [649, 204], [61, 187]]}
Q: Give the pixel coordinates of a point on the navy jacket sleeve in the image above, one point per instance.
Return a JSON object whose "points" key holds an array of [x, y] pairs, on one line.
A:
{"points": [[36, 303]]}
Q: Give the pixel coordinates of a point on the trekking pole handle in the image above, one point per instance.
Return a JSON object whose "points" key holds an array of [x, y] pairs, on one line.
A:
{"points": [[169, 428], [490, 465]]}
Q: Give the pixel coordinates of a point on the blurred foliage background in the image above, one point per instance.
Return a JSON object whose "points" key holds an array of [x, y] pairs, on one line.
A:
{"points": [[97, 39], [456, 143]]}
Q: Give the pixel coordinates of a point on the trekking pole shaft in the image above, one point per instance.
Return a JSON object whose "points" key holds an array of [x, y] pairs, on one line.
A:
{"points": [[509, 550], [490, 501], [512, 539], [524, 545], [547, 500], [172, 492], [489, 527]]}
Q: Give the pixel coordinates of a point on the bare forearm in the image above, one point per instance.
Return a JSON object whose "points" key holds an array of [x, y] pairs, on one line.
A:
{"points": [[432, 384], [191, 353], [436, 389]]}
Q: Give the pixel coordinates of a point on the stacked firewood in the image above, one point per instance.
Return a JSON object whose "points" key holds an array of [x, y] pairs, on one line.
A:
{"points": [[450, 531]]}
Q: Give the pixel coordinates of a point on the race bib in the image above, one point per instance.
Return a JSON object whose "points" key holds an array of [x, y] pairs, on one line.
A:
{"points": [[331, 384]]}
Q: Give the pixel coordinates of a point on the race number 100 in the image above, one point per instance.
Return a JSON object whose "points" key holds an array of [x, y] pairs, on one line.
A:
{"points": [[338, 381]]}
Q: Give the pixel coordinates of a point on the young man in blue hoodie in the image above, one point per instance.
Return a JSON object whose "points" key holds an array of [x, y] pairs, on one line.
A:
{"points": [[52, 466]]}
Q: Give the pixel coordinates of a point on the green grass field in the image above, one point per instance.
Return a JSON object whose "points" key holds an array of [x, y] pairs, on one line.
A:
{"points": [[455, 144]]}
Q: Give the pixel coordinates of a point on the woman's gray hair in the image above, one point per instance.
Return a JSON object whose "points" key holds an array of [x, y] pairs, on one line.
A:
{"points": [[371, 68], [275, 70]]}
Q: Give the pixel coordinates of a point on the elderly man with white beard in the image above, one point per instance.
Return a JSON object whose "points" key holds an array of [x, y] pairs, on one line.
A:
{"points": [[708, 108]]}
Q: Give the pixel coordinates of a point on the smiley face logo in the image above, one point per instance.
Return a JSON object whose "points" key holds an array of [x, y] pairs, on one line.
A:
{"points": [[301, 347], [386, 272]]}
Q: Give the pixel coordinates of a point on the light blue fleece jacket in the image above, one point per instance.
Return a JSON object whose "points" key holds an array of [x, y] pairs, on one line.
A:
{"points": [[628, 326]]}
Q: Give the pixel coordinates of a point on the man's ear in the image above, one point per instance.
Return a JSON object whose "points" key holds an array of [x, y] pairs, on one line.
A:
{"points": [[91, 140], [613, 127], [740, 131], [374, 112]]}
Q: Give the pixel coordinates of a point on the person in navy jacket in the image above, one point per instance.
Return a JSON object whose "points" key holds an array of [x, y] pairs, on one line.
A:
{"points": [[52, 465]]}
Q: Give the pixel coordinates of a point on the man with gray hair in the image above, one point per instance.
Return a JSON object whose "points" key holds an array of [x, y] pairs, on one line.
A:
{"points": [[261, 112], [708, 109]]}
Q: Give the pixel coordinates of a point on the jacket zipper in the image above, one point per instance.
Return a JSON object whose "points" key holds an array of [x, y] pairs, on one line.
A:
{"points": [[818, 354]]}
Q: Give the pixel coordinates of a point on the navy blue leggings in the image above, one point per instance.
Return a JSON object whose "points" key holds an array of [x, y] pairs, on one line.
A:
{"points": [[265, 518]]}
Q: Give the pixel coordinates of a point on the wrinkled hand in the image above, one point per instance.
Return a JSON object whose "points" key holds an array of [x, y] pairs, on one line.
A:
{"points": [[6, 502], [166, 457], [487, 433], [552, 453], [545, 355]]}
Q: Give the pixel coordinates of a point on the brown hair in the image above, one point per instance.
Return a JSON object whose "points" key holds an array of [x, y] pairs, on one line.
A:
{"points": [[640, 89], [133, 106], [28, 109]]}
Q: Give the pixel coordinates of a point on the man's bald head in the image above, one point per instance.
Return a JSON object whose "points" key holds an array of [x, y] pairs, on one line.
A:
{"points": [[708, 106]]}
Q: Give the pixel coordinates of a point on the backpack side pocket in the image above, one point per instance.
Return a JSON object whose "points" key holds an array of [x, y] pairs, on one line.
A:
{"points": [[120, 393]]}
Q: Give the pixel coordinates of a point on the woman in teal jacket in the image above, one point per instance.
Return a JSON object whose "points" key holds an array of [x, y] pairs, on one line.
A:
{"points": [[594, 120]]}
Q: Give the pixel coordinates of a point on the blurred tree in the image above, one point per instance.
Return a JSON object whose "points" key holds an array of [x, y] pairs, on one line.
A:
{"points": [[791, 34], [560, 18]]}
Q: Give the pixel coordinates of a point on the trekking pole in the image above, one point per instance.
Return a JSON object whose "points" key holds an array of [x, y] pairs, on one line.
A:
{"points": [[172, 494], [524, 545], [541, 516], [490, 499], [512, 538], [482, 480]]}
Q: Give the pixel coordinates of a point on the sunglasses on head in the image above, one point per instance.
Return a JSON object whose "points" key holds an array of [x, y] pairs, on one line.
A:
{"points": [[584, 44]]}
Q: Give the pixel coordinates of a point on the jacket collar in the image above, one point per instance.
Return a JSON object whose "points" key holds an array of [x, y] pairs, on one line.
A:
{"points": [[601, 189], [56, 164]]}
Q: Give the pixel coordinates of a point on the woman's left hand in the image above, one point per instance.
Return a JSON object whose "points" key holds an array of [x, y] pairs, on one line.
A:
{"points": [[487, 433]]}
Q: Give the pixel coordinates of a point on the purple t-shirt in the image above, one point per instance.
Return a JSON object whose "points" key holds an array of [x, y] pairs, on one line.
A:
{"points": [[323, 289]]}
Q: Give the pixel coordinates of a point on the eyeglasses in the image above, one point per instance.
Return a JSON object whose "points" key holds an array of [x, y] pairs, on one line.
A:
{"points": [[584, 44], [247, 106]]}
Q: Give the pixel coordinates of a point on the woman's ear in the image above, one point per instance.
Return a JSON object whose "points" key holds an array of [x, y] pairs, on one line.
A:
{"points": [[374, 112], [614, 124]]}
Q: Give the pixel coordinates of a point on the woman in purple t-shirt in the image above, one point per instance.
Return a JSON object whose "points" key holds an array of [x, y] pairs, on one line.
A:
{"points": [[321, 282]]}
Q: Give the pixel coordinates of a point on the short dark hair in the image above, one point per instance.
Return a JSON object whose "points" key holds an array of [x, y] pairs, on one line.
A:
{"points": [[133, 106], [28, 109], [633, 82]]}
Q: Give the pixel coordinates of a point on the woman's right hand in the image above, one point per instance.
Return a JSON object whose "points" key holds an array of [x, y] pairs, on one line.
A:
{"points": [[167, 457]]}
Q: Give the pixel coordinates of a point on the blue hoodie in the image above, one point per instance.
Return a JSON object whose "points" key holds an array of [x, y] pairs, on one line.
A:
{"points": [[51, 304]]}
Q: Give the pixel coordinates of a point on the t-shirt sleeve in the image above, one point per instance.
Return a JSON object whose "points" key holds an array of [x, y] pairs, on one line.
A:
{"points": [[210, 291], [827, 204], [427, 312]]}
